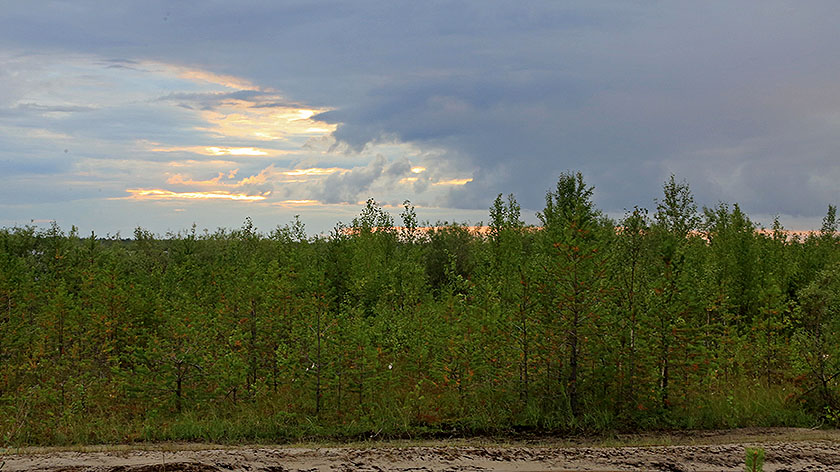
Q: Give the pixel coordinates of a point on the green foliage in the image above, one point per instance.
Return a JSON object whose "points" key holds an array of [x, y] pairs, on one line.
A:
{"points": [[577, 325], [676, 213], [754, 459]]}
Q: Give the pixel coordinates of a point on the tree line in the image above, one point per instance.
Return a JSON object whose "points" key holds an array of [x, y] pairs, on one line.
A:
{"points": [[676, 318]]}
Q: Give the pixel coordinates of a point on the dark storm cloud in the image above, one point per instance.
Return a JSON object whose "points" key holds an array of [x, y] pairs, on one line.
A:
{"points": [[737, 99]]}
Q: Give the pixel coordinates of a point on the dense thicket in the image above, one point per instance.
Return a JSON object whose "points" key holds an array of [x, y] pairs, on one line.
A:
{"points": [[685, 318]]}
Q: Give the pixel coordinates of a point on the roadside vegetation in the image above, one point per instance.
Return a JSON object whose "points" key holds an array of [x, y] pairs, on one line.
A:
{"points": [[675, 319]]}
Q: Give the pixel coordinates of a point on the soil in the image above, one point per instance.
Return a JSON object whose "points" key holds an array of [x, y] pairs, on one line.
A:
{"points": [[786, 449]]}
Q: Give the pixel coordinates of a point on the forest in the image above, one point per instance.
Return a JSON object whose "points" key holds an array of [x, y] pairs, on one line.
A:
{"points": [[673, 318]]}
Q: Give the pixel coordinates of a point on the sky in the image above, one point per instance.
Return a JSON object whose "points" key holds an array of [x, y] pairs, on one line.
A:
{"points": [[165, 114]]}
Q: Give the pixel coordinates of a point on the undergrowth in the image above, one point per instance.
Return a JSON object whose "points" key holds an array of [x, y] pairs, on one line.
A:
{"points": [[258, 423]]}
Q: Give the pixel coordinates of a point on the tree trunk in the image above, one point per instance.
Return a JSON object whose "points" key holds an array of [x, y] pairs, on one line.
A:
{"points": [[318, 363], [573, 365], [252, 374], [178, 387], [665, 370]]}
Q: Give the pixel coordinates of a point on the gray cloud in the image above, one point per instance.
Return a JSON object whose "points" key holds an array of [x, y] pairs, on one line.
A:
{"points": [[130, 122], [349, 186], [115, 63], [346, 187], [38, 108], [210, 101], [740, 101], [40, 166]]}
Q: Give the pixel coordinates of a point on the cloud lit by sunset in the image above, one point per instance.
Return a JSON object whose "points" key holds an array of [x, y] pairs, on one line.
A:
{"points": [[219, 151], [313, 171], [158, 194], [453, 182], [221, 106], [179, 179], [297, 202], [200, 75], [242, 119]]}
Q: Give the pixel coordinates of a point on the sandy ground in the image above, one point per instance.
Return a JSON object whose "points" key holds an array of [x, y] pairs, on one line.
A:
{"points": [[786, 450]]}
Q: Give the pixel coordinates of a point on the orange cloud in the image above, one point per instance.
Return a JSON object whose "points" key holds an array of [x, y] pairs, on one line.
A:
{"points": [[242, 151], [159, 194], [222, 151], [270, 174], [241, 119], [297, 203], [228, 81], [267, 175], [262, 177], [453, 182], [179, 179]]}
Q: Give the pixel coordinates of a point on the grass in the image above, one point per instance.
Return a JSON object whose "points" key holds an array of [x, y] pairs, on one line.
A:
{"points": [[679, 438], [746, 406], [262, 422]]}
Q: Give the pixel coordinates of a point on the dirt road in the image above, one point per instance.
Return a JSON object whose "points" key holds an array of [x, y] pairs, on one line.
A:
{"points": [[786, 450]]}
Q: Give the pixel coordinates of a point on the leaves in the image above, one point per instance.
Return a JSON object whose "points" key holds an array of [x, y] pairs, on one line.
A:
{"points": [[578, 323]]}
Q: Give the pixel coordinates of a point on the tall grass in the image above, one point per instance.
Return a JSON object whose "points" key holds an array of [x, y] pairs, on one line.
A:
{"points": [[262, 421]]}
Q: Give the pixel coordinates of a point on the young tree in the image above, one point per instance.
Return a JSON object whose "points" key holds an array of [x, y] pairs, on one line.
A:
{"points": [[575, 234], [631, 255], [818, 337], [510, 278], [675, 222]]}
